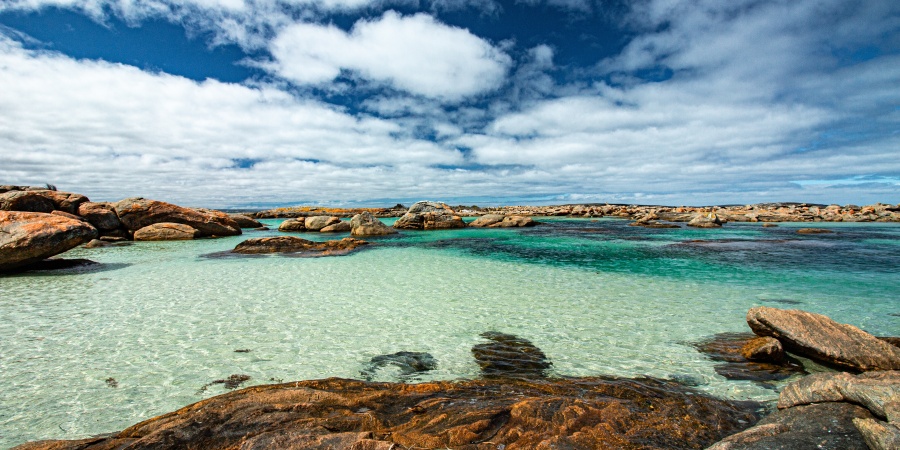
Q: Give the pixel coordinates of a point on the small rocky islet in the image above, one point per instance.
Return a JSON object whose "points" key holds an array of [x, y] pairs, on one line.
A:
{"points": [[517, 402]]}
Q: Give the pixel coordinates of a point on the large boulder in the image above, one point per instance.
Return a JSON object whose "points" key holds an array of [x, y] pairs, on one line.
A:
{"points": [[507, 355], [426, 215], [365, 224], [136, 213], [316, 223], [872, 390], [502, 221], [291, 244], [819, 338], [340, 227], [245, 221], [29, 201], [165, 231], [710, 220], [64, 201], [298, 224], [29, 237], [101, 215]]}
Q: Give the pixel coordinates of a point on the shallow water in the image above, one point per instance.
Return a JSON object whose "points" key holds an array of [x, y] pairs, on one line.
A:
{"points": [[598, 297]]}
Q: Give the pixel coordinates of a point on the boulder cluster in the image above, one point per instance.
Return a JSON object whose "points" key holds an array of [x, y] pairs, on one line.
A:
{"points": [[855, 407], [37, 223]]}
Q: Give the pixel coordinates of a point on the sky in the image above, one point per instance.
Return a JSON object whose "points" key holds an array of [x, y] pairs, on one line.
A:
{"points": [[260, 103]]}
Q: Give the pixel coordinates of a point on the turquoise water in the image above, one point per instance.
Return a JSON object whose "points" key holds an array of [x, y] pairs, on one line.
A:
{"points": [[598, 297]]}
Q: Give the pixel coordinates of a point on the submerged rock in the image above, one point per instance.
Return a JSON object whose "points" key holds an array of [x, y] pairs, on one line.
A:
{"points": [[510, 356], [291, 244], [365, 224], [29, 237], [578, 413], [814, 231], [427, 215], [819, 338], [136, 213], [409, 364], [730, 349]]}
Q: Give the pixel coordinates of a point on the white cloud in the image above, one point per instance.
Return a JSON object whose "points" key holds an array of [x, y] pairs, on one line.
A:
{"points": [[416, 54]]}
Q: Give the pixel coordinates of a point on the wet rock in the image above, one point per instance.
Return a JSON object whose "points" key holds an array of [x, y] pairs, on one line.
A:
{"points": [[827, 426], [101, 215], [244, 221], [136, 213], [316, 223], [819, 338], [166, 232], [729, 349], [365, 224], [340, 227], [97, 243], [763, 349], [29, 237], [654, 224], [25, 201], [872, 390], [298, 224], [291, 244], [427, 215], [511, 414], [408, 363], [232, 382], [510, 356], [814, 231]]}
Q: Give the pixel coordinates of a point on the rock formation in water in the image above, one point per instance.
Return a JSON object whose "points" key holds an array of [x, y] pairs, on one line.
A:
{"points": [[502, 221], [245, 221], [822, 339], [427, 215], [289, 225], [291, 244], [365, 224], [29, 237], [316, 223], [507, 355], [136, 213], [741, 358], [165, 231]]}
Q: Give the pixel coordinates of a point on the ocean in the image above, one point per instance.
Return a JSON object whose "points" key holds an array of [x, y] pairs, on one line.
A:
{"points": [[92, 350]]}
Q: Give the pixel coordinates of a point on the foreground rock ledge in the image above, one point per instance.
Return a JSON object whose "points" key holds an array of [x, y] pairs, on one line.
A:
{"points": [[580, 413], [290, 244]]}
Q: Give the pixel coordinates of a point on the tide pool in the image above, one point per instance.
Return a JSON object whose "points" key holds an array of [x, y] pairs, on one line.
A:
{"points": [[94, 350]]}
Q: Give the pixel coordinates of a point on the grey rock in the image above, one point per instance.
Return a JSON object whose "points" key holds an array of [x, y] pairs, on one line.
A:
{"points": [[365, 224]]}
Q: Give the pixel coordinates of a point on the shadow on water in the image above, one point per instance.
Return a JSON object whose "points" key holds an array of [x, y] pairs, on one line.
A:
{"points": [[61, 267]]}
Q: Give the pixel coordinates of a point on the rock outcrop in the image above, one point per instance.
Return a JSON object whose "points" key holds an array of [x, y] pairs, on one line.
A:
{"points": [[427, 215], [732, 351], [101, 215], [289, 225], [316, 223], [29, 237], [511, 414], [136, 213], [365, 224], [340, 227], [708, 220], [502, 221], [165, 231], [245, 221], [291, 244], [25, 201], [822, 339]]}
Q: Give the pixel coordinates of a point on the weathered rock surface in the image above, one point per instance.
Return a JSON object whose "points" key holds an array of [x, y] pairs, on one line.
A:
{"points": [[244, 221], [101, 215], [502, 221], [822, 339], [340, 227], [510, 356], [165, 231], [872, 390], [136, 213], [408, 363], [365, 224], [878, 435], [291, 244], [763, 349], [826, 426], [513, 414], [64, 201], [729, 348], [29, 237], [427, 215], [709, 220], [25, 201], [298, 224], [316, 223]]}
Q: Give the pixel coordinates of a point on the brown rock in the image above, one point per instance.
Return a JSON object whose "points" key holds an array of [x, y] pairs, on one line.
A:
{"points": [[872, 390], [822, 339], [365, 224], [64, 201], [729, 348], [426, 215], [514, 414], [708, 220], [245, 221], [487, 220], [97, 243], [340, 227], [878, 435], [28, 201], [100, 215], [165, 231], [136, 213], [764, 349], [814, 231], [291, 244], [316, 223], [28, 237], [57, 212], [298, 224]]}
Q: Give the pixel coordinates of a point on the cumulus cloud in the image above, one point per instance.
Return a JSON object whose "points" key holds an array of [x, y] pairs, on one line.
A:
{"points": [[416, 54]]}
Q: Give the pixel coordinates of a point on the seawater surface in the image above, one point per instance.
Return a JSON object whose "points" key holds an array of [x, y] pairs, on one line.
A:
{"points": [[94, 350]]}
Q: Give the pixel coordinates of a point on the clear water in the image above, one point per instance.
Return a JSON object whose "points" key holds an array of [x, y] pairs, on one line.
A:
{"points": [[598, 297]]}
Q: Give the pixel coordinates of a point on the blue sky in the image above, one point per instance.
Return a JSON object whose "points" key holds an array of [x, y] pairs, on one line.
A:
{"points": [[248, 102]]}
